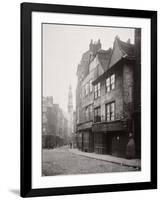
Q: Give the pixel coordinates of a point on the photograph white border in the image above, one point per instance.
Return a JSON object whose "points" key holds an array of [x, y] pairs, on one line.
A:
{"points": [[39, 181]]}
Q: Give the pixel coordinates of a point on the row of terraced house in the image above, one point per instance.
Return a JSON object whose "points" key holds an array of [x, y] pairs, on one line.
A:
{"points": [[108, 100]]}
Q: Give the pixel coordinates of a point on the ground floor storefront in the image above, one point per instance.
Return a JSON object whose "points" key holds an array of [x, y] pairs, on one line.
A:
{"points": [[85, 137], [106, 138], [112, 143], [85, 140]]}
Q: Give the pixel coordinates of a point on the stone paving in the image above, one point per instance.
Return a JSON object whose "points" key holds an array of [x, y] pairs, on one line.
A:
{"points": [[62, 161], [122, 161]]}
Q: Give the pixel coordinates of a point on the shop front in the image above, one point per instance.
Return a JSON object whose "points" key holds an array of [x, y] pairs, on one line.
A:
{"points": [[85, 138], [110, 138]]}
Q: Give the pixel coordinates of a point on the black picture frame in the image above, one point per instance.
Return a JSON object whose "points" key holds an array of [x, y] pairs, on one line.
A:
{"points": [[26, 99]]}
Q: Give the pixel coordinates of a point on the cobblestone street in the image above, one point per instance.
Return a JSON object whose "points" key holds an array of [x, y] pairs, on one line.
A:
{"points": [[62, 161]]}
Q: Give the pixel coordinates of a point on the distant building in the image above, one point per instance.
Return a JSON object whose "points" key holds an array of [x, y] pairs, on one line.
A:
{"points": [[54, 124], [108, 99], [70, 112]]}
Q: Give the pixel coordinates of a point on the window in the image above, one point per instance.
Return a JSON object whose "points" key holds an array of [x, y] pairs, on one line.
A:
{"points": [[97, 90], [90, 86], [110, 111], [88, 112], [110, 83], [113, 82], [97, 114]]}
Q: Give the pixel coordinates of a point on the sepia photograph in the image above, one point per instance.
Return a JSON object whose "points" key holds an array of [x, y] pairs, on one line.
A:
{"points": [[91, 99]]}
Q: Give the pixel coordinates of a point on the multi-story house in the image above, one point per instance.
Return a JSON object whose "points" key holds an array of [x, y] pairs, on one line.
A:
{"points": [[85, 93], [108, 114], [113, 109]]}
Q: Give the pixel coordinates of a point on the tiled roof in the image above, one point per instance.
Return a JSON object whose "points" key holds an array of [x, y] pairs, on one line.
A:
{"points": [[104, 57], [108, 58], [126, 48], [121, 50]]}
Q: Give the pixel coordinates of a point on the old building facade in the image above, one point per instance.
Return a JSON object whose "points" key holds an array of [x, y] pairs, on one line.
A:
{"points": [[54, 124], [84, 126], [113, 107], [70, 112], [87, 72], [105, 109]]}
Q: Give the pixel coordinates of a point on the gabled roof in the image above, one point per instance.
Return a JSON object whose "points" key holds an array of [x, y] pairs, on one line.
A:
{"points": [[121, 50], [104, 58], [107, 58], [126, 48]]}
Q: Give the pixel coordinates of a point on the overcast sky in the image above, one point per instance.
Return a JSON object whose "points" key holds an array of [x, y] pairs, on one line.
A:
{"points": [[63, 46]]}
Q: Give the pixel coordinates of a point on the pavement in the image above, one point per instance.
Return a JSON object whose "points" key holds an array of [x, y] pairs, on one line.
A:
{"points": [[64, 161], [136, 163]]}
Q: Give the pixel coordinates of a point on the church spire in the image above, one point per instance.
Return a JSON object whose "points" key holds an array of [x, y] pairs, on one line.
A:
{"points": [[70, 100]]}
